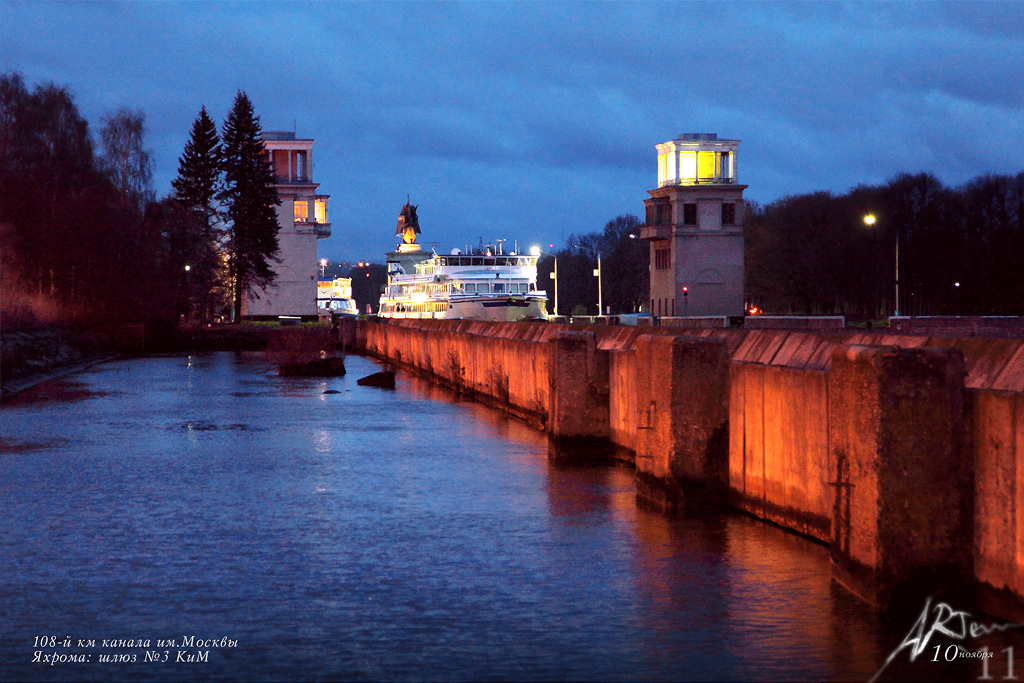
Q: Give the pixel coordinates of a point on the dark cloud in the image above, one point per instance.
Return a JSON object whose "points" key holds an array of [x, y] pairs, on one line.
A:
{"points": [[531, 121]]}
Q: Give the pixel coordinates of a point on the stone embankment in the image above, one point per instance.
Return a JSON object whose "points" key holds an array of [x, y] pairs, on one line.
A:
{"points": [[30, 355], [903, 453]]}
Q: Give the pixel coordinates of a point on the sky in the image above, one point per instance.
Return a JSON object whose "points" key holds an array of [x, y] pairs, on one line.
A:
{"points": [[533, 121]]}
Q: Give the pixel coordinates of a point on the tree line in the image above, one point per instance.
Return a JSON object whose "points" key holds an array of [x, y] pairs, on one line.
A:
{"points": [[961, 249], [961, 252], [624, 271], [82, 236]]}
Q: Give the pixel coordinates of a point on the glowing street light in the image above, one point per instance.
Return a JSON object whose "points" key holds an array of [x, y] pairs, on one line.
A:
{"points": [[323, 266], [871, 220], [536, 251]]}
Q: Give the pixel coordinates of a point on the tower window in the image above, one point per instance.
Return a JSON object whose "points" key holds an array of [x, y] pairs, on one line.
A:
{"points": [[728, 214], [659, 214], [689, 214], [663, 213], [661, 259]]}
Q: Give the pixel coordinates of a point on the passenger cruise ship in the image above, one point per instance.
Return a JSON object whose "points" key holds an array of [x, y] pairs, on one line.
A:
{"points": [[482, 286]]}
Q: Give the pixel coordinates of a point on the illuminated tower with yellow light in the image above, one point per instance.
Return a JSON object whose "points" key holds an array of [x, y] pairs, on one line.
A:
{"points": [[694, 227], [302, 220]]}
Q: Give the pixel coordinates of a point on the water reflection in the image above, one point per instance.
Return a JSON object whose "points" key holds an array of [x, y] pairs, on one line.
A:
{"points": [[371, 534]]}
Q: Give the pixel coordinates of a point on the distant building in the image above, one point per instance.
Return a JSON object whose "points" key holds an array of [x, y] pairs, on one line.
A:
{"points": [[302, 217], [694, 226], [335, 296]]}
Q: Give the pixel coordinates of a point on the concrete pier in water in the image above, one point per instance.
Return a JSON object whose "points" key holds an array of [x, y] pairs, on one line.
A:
{"points": [[904, 453]]}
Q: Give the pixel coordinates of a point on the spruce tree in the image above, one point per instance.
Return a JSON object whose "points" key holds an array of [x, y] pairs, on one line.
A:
{"points": [[250, 197], [199, 169], [195, 242]]}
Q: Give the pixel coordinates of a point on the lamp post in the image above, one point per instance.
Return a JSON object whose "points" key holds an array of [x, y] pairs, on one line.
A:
{"points": [[597, 273], [188, 294], [871, 220], [536, 251], [323, 266]]}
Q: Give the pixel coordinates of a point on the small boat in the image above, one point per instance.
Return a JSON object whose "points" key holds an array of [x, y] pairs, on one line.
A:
{"points": [[486, 285]]}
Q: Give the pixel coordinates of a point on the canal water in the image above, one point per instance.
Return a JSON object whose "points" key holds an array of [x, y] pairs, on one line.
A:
{"points": [[200, 517]]}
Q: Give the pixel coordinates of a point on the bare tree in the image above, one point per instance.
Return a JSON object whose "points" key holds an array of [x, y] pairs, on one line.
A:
{"points": [[124, 157]]}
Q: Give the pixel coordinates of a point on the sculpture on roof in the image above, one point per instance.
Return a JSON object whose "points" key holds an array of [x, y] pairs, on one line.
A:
{"points": [[408, 224]]}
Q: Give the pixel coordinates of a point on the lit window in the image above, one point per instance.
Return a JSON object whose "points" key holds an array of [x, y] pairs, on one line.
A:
{"points": [[301, 211], [687, 165], [705, 165], [663, 169], [321, 210]]}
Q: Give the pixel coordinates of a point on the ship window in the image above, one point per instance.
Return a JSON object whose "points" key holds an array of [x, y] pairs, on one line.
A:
{"points": [[499, 286]]}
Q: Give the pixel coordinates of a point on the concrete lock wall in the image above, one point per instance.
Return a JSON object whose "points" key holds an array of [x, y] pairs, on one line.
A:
{"points": [[998, 440], [622, 398], [779, 465], [844, 452], [681, 417], [508, 372], [903, 479]]}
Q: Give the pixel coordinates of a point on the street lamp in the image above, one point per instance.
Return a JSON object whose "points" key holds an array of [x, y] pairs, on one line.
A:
{"points": [[536, 251], [323, 266], [188, 297], [597, 273], [871, 220]]}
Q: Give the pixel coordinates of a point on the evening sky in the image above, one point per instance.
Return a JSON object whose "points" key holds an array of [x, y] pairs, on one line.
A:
{"points": [[529, 121]]}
